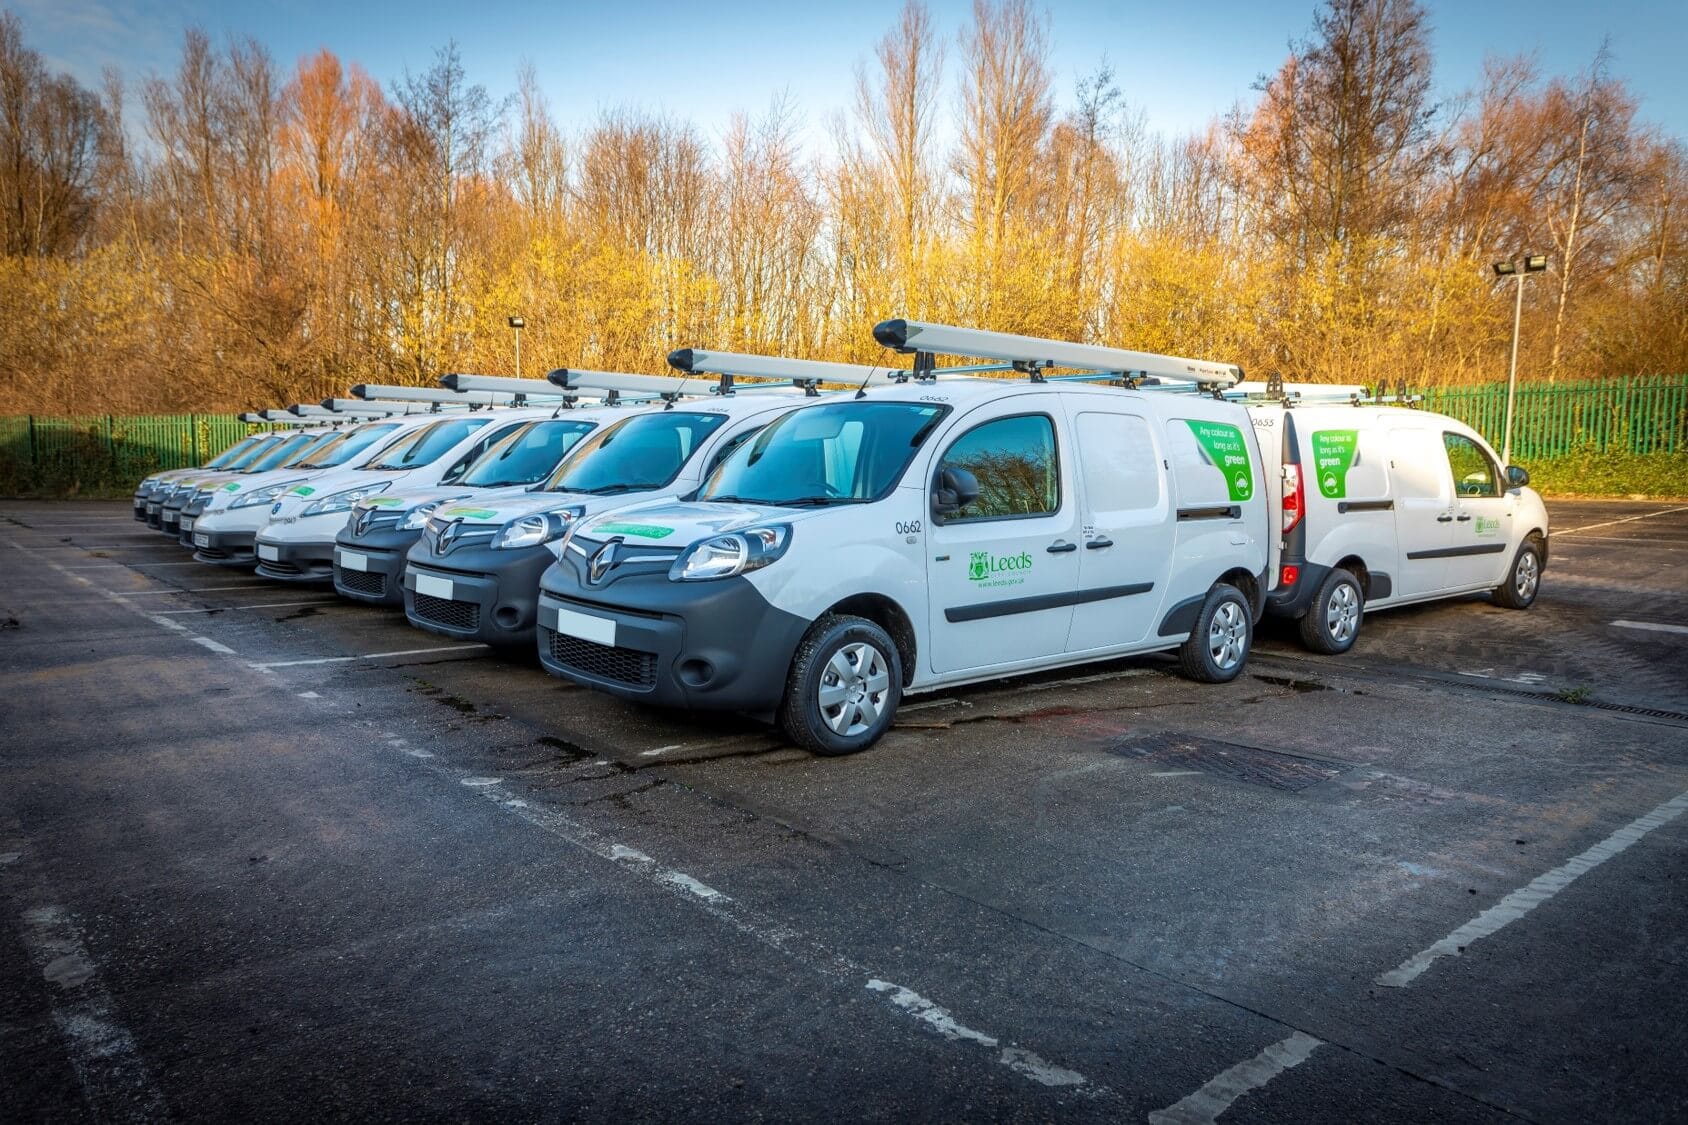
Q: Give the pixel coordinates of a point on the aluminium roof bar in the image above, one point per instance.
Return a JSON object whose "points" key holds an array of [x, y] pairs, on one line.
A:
{"points": [[806, 374], [279, 418], [540, 392], [1032, 353], [371, 392]]}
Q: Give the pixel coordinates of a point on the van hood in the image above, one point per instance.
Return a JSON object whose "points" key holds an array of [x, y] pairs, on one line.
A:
{"points": [[680, 523], [293, 501], [406, 499]]}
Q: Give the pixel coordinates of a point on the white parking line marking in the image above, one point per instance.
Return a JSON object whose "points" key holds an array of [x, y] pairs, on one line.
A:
{"points": [[1652, 626], [1610, 523], [480, 782], [309, 695], [777, 936], [114, 1080], [1205, 1105], [660, 750], [1520, 902], [265, 666], [260, 605], [939, 1020], [214, 646]]}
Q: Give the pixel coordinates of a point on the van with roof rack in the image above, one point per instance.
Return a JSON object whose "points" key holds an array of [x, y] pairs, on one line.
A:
{"points": [[370, 550], [474, 572], [1384, 506], [929, 530]]}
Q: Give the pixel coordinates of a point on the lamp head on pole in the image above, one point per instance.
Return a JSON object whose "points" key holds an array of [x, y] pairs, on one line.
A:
{"points": [[1535, 263], [1505, 269], [517, 323]]}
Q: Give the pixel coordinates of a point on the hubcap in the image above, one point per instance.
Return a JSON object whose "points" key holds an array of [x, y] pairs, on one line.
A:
{"points": [[1342, 613], [853, 688], [1227, 637], [1527, 576]]}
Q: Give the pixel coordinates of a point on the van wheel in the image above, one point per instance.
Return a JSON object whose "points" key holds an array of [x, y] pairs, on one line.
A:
{"points": [[1332, 623], [845, 683], [1217, 648], [1523, 579]]}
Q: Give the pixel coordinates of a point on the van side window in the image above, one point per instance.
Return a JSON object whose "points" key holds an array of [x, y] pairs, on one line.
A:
{"points": [[1121, 468], [727, 448], [1013, 460], [1474, 473]]}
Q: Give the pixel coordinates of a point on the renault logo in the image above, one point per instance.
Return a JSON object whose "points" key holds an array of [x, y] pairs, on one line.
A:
{"points": [[601, 561], [361, 524], [448, 535]]}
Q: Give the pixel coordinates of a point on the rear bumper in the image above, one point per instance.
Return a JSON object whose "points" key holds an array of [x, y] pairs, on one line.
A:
{"points": [[1295, 600], [498, 606]]}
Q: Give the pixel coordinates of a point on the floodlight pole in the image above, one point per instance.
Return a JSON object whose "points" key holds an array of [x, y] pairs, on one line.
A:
{"points": [[1529, 263], [517, 324]]}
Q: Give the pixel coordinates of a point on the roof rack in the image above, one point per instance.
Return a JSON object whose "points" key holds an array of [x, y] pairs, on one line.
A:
{"points": [[1033, 356], [779, 373], [1352, 394], [542, 392], [279, 418]]}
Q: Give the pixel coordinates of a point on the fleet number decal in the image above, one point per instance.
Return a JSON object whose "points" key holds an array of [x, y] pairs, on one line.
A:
{"points": [[1333, 456], [987, 570], [909, 527], [1225, 446]]}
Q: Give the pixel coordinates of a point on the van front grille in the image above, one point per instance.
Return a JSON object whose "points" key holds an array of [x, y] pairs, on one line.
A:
{"points": [[364, 582], [623, 665], [451, 614]]}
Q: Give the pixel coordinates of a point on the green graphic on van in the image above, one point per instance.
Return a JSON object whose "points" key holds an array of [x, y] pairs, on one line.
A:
{"points": [[301, 490], [469, 513], [1229, 453], [987, 569], [1333, 456], [385, 502], [642, 530], [1486, 526]]}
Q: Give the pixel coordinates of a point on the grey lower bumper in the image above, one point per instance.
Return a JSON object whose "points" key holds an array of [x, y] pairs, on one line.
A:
{"points": [[296, 562], [499, 607], [224, 548]]}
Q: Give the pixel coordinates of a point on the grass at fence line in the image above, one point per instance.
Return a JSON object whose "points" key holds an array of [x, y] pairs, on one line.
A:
{"points": [[1589, 472]]}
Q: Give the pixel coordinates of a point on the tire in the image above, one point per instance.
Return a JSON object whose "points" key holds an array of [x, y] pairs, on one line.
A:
{"points": [[1523, 578], [1331, 624], [844, 686], [1218, 645]]}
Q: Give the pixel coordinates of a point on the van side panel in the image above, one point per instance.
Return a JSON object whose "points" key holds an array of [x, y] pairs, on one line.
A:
{"points": [[1350, 496], [1219, 505]]}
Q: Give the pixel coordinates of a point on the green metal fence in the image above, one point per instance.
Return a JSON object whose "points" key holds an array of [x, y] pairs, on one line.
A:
{"points": [[92, 454], [1639, 415]]}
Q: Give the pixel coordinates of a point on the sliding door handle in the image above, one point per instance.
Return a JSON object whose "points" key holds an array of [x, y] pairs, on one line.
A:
{"points": [[1061, 547], [1097, 544]]}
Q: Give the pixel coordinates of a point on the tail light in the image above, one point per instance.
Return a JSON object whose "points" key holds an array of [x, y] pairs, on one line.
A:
{"points": [[1295, 505], [1289, 576]]}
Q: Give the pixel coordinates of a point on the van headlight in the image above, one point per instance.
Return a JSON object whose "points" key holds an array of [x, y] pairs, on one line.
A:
{"points": [[531, 531], [725, 556], [417, 517], [269, 494], [342, 501]]}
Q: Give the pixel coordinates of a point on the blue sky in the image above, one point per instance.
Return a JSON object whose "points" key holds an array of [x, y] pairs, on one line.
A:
{"points": [[1181, 64]]}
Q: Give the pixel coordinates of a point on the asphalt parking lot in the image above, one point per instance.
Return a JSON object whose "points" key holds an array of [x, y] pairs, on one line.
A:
{"points": [[265, 854]]}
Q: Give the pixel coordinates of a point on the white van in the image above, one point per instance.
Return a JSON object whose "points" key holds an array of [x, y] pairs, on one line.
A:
{"points": [[297, 542], [919, 536], [474, 573], [234, 455], [224, 526], [1384, 506], [370, 550]]}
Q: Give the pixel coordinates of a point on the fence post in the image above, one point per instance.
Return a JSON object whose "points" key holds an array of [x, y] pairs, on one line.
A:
{"points": [[193, 428]]}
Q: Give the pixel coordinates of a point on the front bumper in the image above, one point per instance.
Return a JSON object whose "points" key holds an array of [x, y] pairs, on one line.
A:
{"points": [[224, 548], [297, 561], [371, 569], [716, 646], [485, 595]]}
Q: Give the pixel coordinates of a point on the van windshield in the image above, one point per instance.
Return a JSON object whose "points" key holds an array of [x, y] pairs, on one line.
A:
{"points": [[344, 446], [251, 454], [233, 452], [841, 453], [425, 445], [283, 451], [644, 452], [526, 455]]}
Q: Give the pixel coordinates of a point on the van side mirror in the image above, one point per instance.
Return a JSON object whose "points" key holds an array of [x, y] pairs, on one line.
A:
{"points": [[956, 489], [1517, 476]]}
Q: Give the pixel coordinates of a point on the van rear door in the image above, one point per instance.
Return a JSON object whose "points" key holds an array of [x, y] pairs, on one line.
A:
{"points": [[1128, 529]]}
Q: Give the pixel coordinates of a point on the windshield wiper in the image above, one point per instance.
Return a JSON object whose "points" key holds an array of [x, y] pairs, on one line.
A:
{"points": [[613, 489], [814, 501]]}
